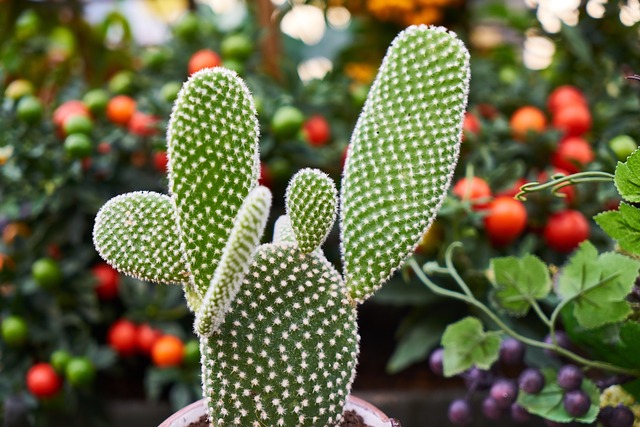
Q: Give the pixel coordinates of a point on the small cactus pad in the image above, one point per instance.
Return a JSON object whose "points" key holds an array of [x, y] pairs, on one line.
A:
{"points": [[286, 352], [136, 233], [212, 143], [236, 258], [311, 202], [402, 155], [283, 231]]}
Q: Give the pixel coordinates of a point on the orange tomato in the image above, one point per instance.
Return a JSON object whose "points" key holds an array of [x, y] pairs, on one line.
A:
{"points": [[527, 119], [13, 230], [120, 109], [205, 58], [475, 190], [167, 351], [505, 221]]}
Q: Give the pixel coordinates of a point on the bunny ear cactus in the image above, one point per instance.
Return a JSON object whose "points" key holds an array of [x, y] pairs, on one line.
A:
{"points": [[277, 322]]}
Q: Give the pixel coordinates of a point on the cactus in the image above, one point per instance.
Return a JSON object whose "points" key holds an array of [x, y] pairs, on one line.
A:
{"points": [[276, 321]]}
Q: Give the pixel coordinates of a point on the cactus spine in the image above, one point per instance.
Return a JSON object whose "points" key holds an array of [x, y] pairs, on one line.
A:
{"points": [[277, 322]]}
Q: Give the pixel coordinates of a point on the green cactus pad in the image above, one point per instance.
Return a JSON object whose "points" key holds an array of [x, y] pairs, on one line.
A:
{"points": [[402, 154], [212, 143], [236, 258], [286, 352], [136, 233], [283, 231], [311, 203]]}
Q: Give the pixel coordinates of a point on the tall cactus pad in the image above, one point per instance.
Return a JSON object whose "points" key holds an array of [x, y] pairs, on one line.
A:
{"points": [[235, 261], [137, 235], [286, 352], [402, 154], [311, 202], [213, 164]]}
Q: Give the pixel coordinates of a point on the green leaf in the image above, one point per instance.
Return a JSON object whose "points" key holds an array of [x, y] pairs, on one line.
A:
{"points": [[633, 388], [627, 178], [548, 403], [598, 285], [415, 344], [519, 282], [467, 345], [622, 225]]}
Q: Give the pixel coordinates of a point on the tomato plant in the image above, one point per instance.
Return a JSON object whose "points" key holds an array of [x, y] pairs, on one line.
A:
{"points": [[120, 109], [108, 281], [167, 351], [160, 161], [476, 190], [143, 124], [527, 119], [15, 330], [564, 96], [46, 273], [565, 230], [123, 337], [286, 121], [68, 109], [572, 154], [43, 381], [205, 58], [572, 120], [146, 338], [29, 109], [506, 219], [317, 130], [80, 371]]}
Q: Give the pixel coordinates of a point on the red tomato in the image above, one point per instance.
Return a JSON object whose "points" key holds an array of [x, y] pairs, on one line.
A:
{"points": [[565, 230], [108, 281], [476, 190], [147, 337], [564, 96], [123, 337], [143, 124], [572, 154], [265, 176], [317, 130], [205, 58], [527, 119], [160, 161], [568, 191], [573, 120], [68, 109], [167, 351], [505, 221], [343, 157], [104, 148], [470, 125], [43, 381], [514, 189]]}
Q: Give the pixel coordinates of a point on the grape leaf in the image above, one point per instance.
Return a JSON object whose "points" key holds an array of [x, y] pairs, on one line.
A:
{"points": [[467, 345], [415, 344], [598, 285], [627, 178], [622, 225], [519, 282], [548, 403]]}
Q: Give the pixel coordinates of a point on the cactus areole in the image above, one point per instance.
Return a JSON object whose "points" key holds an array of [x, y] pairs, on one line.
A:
{"points": [[276, 321]]}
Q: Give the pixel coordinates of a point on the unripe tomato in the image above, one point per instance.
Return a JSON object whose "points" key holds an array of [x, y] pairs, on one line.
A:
{"points": [[317, 130], [108, 281], [169, 91], [122, 83], [46, 273], [565, 230], [167, 351], [237, 46], [15, 331], [80, 371], [234, 65], [59, 360], [123, 337], [205, 58], [67, 109], [573, 120], [96, 100], [476, 190], [120, 109], [19, 88], [187, 26], [29, 109], [192, 353], [564, 96], [42, 380], [505, 221], [143, 124], [78, 146], [572, 154], [147, 337], [160, 161], [77, 123], [622, 146], [527, 119], [286, 121], [470, 125]]}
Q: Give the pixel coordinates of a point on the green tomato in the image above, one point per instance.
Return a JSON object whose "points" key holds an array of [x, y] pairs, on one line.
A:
{"points": [[233, 64], [29, 110], [96, 100], [169, 91], [77, 123], [359, 94], [59, 360], [14, 331], [80, 371], [187, 27], [191, 353], [27, 25], [46, 273], [286, 121], [78, 146], [622, 146], [236, 46], [155, 58], [19, 88], [122, 83]]}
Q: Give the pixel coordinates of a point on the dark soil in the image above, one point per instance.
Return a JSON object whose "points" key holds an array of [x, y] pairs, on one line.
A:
{"points": [[350, 419], [202, 422]]}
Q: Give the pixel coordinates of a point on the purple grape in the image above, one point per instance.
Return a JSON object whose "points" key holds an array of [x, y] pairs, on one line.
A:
{"points": [[435, 361], [576, 402], [570, 377], [504, 392], [460, 412], [519, 414], [531, 381], [511, 352], [477, 379], [620, 416], [562, 340], [491, 410], [605, 415]]}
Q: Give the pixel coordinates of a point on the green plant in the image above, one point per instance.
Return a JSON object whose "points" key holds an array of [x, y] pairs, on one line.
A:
{"points": [[277, 321]]}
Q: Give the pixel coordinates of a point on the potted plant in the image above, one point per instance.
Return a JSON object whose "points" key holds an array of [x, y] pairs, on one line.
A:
{"points": [[276, 321]]}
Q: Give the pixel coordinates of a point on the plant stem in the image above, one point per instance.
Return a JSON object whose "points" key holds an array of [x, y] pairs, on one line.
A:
{"points": [[448, 257], [558, 182], [529, 341]]}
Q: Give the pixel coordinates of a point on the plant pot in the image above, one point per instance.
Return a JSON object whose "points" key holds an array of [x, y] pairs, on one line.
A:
{"points": [[372, 416]]}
